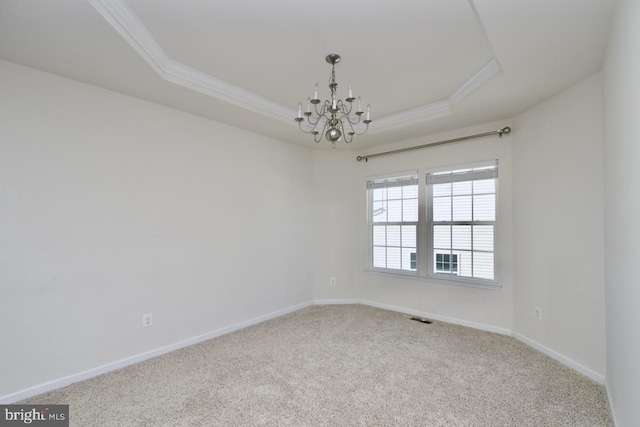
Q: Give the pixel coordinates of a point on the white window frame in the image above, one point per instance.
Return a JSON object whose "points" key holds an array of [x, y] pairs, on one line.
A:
{"points": [[431, 270], [371, 224], [424, 239]]}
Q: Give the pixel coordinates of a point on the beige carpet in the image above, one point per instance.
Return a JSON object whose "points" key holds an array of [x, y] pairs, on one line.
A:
{"points": [[346, 365]]}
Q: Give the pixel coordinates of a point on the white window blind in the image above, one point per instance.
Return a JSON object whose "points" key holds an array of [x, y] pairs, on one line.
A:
{"points": [[393, 221]]}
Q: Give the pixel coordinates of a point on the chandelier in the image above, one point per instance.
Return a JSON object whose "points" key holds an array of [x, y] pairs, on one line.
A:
{"points": [[333, 119]]}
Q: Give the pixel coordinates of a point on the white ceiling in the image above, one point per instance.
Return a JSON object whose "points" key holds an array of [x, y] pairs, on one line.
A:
{"points": [[424, 65]]}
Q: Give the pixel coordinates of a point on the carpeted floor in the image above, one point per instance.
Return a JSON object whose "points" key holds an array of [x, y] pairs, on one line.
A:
{"points": [[348, 365]]}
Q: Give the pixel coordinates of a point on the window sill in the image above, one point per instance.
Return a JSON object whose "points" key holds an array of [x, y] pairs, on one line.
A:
{"points": [[467, 283]]}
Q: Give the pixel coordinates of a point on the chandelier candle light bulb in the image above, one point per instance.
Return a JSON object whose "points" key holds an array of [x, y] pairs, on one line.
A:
{"points": [[333, 118]]}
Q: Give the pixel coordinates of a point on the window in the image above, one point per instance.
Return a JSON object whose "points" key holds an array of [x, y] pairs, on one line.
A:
{"points": [[393, 221], [446, 263], [444, 226], [461, 221]]}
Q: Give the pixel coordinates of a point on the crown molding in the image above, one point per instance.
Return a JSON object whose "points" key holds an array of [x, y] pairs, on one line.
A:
{"points": [[437, 108], [478, 79], [122, 18]]}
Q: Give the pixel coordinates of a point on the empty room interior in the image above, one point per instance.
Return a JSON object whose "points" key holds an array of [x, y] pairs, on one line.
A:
{"points": [[337, 213]]}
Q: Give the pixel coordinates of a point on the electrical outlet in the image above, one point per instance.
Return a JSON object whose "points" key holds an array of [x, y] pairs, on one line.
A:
{"points": [[147, 320], [332, 281], [538, 312]]}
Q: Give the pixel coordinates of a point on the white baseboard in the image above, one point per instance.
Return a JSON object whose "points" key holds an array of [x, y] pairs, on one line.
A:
{"points": [[61, 382], [112, 366], [560, 358], [610, 402]]}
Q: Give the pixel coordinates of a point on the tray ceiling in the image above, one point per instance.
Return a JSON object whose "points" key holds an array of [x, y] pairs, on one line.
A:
{"points": [[424, 66]]}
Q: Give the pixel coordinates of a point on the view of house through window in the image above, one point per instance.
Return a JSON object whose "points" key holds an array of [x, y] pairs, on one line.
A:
{"points": [[459, 220], [446, 263]]}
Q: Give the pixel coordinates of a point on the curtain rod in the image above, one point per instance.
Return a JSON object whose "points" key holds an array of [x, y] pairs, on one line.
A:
{"points": [[500, 132]]}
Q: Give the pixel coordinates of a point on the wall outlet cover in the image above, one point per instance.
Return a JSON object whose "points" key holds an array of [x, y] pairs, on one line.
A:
{"points": [[147, 320], [538, 312]]}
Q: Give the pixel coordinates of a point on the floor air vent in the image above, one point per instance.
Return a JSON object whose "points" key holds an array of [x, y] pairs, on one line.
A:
{"points": [[422, 320]]}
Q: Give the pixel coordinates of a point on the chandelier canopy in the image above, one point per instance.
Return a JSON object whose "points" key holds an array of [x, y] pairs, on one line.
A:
{"points": [[333, 119]]}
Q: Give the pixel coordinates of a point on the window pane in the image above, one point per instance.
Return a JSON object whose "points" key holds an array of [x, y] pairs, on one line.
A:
{"points": [[483, 265], [409, 236], [410, 210], [379, 213], [462, 208], [442, 209], [463, 187], [484, 207], [410, 192], [393, 258], [483, 238], [408, 255], [379, 257], [395, 211], [465, 261], [461, 236], [394, 193], [379, 193], [440, 190], [442, 236], [379, 235], [393, 235], [484, 186]]}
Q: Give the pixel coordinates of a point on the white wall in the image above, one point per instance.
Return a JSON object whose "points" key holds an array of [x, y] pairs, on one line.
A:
{"points": [[558, 223], [337, 218], [111, 207], [341, 234], [622, 212]]}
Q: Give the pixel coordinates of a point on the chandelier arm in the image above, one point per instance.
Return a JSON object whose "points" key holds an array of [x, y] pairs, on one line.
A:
{"points": [[304, 131], [348, 109], [348, 136], [318, 136], [342, 107], [324, 109], [355, 122], [353, 129], [313, 123], [364, 131]]}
